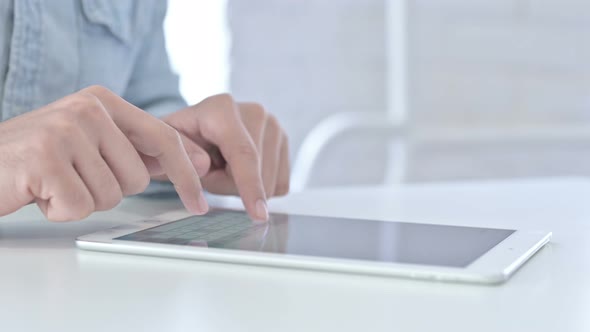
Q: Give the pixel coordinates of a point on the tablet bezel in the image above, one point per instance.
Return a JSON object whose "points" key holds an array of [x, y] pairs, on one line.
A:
{"points": [[494, 266]]}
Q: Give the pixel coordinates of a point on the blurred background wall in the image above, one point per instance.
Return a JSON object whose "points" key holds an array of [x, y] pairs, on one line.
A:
{"points": [[495, 89]]}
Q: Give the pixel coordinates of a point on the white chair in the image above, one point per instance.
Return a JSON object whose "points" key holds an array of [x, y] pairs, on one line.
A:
{"points": [[393, 119], [405, 136]]}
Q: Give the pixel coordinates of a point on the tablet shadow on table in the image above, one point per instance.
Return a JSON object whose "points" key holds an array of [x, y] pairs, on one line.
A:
{"points": [[43, 234]]}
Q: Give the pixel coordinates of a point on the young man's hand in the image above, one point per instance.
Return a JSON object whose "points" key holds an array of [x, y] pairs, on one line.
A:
{"points": [[83, 153], [237, 148]]}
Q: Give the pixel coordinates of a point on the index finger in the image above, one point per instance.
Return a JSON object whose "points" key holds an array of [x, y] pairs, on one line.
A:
{"points": [[157, 139], [238, 149]]}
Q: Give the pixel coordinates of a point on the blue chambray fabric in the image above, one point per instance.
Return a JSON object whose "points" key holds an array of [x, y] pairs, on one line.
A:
{"points": [[49, 49]]}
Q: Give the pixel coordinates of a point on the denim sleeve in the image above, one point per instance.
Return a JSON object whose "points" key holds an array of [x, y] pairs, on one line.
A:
{"points": [[153, 86]]}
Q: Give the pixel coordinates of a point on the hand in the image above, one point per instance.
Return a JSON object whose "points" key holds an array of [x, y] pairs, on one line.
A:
{"points": [[84, 152], [238, 148]]}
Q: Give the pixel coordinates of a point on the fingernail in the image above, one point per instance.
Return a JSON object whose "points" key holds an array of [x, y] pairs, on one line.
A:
{"points": [[200, 163], [203, 206], [261, 210]]}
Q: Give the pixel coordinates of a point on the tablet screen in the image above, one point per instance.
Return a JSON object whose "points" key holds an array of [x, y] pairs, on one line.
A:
{"points": [[397, 242]]}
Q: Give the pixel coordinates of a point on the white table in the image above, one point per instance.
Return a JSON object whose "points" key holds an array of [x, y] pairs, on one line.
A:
{"points": [[46, 284]]}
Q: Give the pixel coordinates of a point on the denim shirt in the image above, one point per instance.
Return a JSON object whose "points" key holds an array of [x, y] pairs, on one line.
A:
{"points": [[49, 49]]}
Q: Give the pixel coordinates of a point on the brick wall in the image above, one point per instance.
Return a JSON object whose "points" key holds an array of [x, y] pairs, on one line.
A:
{"points": [[502, 60], [307, 59], [472, 63]]}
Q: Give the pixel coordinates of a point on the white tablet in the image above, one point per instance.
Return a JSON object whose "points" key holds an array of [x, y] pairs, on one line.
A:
{"points": [[372, 247]]}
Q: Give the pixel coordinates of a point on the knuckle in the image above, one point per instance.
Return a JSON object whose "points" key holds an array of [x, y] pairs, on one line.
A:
{"points": [[245, 150], [84, 107], [82, 99], [86, 207], [77, 212], [223, 98], [224, 104], [269, 189], [64, 129], [256, 111], [138, 184], [53, 218], [97, 90], [109, 201], [57, 217], [49, 168], [81, 213], [227, 115], [217, 130], [170, 135], [108, 194], [272, 124], [282, 189]]}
